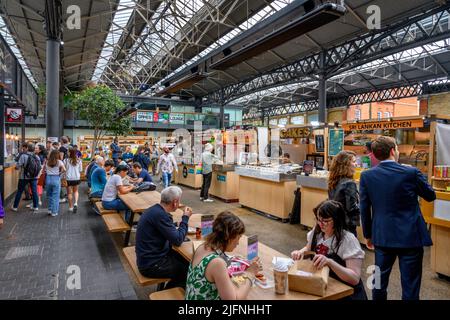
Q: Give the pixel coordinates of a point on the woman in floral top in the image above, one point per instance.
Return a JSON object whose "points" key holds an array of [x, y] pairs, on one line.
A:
{"points": [[208, 276]]}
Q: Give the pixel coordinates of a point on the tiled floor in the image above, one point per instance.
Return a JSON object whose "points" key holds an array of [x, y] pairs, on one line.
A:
{"points": [[37, 252]]}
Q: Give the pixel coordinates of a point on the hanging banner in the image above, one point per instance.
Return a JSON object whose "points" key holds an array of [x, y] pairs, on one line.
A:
{"points": [[335, 142], [163, 118], [144, 116], [176, 118], [295, 133], [13, 114]]}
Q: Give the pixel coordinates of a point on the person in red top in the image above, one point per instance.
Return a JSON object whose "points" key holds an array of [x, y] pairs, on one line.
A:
{"points": [[373, 161]]}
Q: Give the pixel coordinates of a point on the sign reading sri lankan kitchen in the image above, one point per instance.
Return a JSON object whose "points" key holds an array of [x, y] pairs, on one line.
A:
{"points": [[384, 125]]}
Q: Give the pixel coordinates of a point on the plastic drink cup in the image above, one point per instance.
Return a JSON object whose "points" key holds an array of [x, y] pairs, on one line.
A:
{"points": [[280, 278]]}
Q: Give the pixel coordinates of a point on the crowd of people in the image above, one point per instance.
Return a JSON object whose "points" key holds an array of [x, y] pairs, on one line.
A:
{"points": [[385, 204]]}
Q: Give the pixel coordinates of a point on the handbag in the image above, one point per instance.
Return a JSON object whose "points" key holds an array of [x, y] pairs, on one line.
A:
{"points": [[41, 180]]}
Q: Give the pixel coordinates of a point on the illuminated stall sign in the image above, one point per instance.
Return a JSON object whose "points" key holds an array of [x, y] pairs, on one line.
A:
{"points": [[384, 125], [13, 114]]}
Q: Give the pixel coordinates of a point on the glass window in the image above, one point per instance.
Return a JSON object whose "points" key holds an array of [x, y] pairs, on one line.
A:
{"points": [[357, 114], [298, 120], [379, 115]]}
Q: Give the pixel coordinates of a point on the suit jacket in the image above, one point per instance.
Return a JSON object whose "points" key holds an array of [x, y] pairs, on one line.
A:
{"points": [[390, 212]]}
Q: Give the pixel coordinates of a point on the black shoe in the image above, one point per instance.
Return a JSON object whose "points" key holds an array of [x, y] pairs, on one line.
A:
{"points": [[75, 208]]}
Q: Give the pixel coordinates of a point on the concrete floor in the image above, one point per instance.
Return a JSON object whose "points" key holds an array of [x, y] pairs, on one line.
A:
{"points": [[83, 240]]}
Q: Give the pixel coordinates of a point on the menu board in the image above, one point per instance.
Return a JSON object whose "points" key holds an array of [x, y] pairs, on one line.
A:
{"points": [[320, 146], [252, 247], [207, 224], [335, 141]]}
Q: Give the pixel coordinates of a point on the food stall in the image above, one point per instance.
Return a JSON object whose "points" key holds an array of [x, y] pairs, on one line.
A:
{"points": [[268, 189], [225, 183], [190, 175], [437, 213]]}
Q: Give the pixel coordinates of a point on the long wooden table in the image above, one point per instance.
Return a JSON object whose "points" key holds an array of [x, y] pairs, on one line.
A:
{"points": [[335, 290], [139, 202]]}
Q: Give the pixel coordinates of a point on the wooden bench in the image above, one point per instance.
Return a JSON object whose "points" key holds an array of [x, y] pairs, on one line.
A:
{"points": [[115, 223], [95, 200], [130, 256], [169, 294], [103, 210]]}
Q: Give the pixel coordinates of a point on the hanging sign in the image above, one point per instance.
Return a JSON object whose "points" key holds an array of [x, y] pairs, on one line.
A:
{"points": [[295, 133], [144, 116], [384, 125], [335, 141], [13, 114]]}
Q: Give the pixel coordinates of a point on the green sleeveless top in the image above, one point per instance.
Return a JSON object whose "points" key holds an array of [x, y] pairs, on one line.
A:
{"points": [[197, 286]]}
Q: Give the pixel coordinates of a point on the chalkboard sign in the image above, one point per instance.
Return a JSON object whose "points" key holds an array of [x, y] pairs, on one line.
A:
{"points": [[320, 145], [335, 141]]}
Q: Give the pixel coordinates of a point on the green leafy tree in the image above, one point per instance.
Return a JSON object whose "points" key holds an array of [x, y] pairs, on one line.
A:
{"points": [[98, 105]]}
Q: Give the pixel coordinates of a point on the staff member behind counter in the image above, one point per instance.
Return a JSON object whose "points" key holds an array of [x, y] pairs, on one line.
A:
{"points": [[286, 159]]}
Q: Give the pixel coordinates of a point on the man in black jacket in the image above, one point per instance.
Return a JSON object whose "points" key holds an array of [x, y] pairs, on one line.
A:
{"points": [[155, 235]]}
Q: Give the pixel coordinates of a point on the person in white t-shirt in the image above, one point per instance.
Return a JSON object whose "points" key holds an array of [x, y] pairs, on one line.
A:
{"points": [[53, 169], [335, 247], [114, 187], [74, 167]]}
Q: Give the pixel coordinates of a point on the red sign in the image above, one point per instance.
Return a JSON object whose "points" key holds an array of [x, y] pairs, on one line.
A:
{"points": [[13, 115]]}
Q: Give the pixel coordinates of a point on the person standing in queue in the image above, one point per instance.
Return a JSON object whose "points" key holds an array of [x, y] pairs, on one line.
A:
{"points": [[207, 161], [167, 164], [342, 187], [115, 150], [391, 219]]}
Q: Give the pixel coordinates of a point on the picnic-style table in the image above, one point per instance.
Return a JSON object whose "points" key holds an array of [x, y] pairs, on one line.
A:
{"points": [[138, 202], [335, 289]]}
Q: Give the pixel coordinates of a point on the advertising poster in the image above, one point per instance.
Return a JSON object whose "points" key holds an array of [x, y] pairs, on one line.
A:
{"points": [[13, 114], [252, 247], [144, 116], [335, 142], [176, 118], [163, 118]]}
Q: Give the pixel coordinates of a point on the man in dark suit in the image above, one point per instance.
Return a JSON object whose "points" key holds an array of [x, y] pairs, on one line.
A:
{"points": [[391, 219]]}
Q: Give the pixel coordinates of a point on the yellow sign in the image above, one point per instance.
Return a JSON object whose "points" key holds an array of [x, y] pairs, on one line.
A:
{"points": [[295, 133], [384, 125]]}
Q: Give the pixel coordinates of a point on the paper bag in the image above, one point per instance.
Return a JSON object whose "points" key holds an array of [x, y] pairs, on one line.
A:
{"points": [[303, 277]]}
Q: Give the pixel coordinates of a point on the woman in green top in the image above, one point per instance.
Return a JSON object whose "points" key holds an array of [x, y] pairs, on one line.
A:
{"points": [[207, 276]]}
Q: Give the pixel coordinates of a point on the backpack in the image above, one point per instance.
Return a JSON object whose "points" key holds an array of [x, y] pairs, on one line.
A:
{"points": [[32, 167], [145, 186]]}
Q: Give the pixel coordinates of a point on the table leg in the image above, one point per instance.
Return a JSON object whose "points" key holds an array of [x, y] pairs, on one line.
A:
{"points": [[128, 233]]}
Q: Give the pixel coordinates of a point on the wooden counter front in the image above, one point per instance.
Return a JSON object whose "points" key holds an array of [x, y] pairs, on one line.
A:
{"points": [[190, 175], [274, 198], [10, 181], [225, 185], [310, 198], [440, 234]]}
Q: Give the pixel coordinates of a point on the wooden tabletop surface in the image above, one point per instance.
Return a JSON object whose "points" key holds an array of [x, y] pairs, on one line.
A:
{"points": [[139, 202], [335, 290]]}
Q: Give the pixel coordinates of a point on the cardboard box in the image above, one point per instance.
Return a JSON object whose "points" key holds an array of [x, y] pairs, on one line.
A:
{"points": [[303, 277]]}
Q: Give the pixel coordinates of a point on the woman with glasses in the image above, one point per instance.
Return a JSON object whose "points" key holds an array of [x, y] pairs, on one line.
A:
{"points": [[335, 247], [342, 187]]}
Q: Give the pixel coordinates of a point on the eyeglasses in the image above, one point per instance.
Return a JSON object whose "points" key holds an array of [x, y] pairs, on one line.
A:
{"points": [[322, 221]]}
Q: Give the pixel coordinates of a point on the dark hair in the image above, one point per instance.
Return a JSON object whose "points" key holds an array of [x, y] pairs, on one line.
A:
{"points": [[340, 168], [330, 209], [121, 168], [25, 145], [73, 156], [137, 165], [109, 163], [226, 227], [369, 146], [287, 155], [55, 143], [53, 158], [64, 139], [382, 146], [30, 147]]}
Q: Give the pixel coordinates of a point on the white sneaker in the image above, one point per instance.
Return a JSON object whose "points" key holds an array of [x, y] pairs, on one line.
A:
{"points": [[62, 200], [35, 209], [40, 203], [71, 209], [201, 199], [54, 214], [208, 200], [14, 209]]}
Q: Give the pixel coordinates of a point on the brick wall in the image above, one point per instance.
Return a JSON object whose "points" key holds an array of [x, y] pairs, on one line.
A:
{"points": [[439, 104]]}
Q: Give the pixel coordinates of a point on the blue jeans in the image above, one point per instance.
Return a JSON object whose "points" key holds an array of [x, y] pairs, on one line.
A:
{"points": [[118, 205], [97, 194], [20, 189], [53, 188], [167, 178], [410, 262]]}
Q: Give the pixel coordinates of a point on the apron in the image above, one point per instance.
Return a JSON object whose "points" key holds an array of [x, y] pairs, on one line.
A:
{"points": [[359, 293]]}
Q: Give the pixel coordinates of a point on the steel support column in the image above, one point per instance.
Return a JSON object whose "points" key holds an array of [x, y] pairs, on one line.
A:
{"points": [[2, 144], [322, 90], [52, 115], [222, 110]]}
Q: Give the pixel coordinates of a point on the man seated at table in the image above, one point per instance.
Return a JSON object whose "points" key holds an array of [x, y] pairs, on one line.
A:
{"points": [[155, 236], [141, 174], [98, 177]]}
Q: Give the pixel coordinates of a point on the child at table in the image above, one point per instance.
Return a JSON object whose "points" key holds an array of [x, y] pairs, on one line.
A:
{"points": [[208, 277], [335, 247]]}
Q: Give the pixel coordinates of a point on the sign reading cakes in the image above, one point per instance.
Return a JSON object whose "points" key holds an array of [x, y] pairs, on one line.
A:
{"points": [[295, 133], [384, 125]]}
